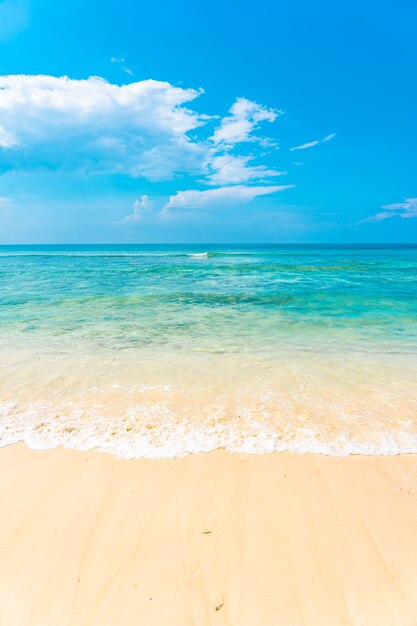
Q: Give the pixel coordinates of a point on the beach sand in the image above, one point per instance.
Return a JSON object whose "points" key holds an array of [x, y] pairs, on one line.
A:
{"points": [[90, 540]]}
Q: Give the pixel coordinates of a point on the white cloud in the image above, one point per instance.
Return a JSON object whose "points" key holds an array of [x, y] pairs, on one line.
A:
{"points": [[406, 210], [6, 139], [220, 197], [245, 116], [142, 129], [227, 169], [139, 129], [311, 144], [142, 208], [4, 200], [14, 18], [303, 146]]}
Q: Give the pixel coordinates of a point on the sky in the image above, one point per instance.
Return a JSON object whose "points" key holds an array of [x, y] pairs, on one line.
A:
{"points": [[163, 122]]}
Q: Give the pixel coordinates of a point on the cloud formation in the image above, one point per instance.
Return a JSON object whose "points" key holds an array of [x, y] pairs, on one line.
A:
{"points": [[405, 210], [138, 129], [144, 129], [245, 117], [311, 144], [220, 197], [230, 169], [142, 208]]}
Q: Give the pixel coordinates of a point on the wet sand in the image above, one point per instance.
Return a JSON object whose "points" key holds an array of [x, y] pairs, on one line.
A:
{"points": [[229, 539]]}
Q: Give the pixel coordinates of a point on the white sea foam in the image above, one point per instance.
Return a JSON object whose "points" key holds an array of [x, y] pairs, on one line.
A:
{"points": [[198, 255], [155, 431]]}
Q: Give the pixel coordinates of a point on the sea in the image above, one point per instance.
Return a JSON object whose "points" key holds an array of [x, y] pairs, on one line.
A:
{"points": [[164, 350]]}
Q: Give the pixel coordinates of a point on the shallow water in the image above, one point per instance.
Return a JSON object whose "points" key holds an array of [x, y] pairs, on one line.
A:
{"points": [[164, 350]]}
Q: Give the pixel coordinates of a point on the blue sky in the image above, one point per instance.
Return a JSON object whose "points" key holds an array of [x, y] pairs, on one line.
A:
{"points": [[193, 122]]}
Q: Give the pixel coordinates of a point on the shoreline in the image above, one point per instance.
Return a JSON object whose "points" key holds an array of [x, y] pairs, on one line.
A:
{"points": [[216, 538], [203, 453]]}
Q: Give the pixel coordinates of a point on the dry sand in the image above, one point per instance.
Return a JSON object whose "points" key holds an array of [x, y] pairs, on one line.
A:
{"points": [[89, 540]]}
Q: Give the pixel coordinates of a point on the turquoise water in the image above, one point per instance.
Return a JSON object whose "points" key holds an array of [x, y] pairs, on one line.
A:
{"points": [[255, 348]]}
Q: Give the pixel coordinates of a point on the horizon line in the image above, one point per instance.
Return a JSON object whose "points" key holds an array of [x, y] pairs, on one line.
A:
{"points": [[222, 243]]}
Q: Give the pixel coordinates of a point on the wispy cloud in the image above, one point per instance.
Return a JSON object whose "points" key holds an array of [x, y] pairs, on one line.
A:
{"points": [[220, 197], [311, 144], [4, 200], [233, 169], [405, 210], [122, 63], [142, 209], [14, 18]]}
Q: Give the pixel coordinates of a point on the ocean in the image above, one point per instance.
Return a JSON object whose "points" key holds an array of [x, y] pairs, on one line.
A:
{"points": [[163, 350]]}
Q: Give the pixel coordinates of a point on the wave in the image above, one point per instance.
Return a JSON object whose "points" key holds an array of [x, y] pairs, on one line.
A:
{"points": [[155, 431]]}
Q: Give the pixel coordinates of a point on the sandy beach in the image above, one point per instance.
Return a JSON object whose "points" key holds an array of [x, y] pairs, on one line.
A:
{"points": [[298, 540]]}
